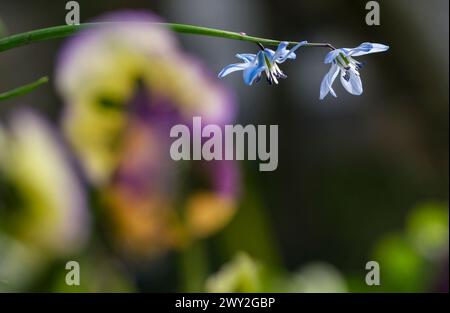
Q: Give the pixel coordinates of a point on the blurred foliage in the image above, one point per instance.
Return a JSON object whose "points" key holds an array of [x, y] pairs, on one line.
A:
{"points": [[244, 274], [317, 277], [404, 265], [413, 260], [427, 230], [402, 269], [99, 274]]}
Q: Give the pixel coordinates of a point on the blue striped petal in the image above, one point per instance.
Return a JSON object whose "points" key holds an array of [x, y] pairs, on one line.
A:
{"points": [[232, 68], [327, 83], [352, 82], [366, 48], [251, 73]]}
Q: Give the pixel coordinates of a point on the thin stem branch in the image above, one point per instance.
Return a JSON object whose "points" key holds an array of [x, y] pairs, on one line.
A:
{"points": [[56, 32], [24, 89], [260, 45], [321, 45]]}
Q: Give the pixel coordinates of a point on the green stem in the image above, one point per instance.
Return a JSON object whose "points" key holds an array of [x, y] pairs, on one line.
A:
{"points": [[24, 89], [68, 30], [193, 268]]}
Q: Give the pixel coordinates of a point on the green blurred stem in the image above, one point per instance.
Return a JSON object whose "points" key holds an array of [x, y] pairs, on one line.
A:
{"points": [[24, 89], [193, 268], [56, 32]]}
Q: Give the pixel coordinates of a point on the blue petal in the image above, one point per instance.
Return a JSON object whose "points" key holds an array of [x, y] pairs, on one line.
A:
{"points": [[332, 55], [246, 57], [251, 73], [366, 48], [327, 83], [352, 82], [270, 53], [290, 54], [233, 68], [281, 50]]}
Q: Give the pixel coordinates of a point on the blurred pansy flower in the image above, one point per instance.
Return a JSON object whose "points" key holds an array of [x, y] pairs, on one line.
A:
{"points": [[342, 62], [125, 85], [266, 61], [44, 217], [42, 203]]}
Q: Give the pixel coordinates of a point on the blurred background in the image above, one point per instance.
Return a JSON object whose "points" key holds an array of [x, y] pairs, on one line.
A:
{"points": [[84, 177]]}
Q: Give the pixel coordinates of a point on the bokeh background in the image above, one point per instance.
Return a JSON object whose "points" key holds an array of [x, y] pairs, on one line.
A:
{"points": [[359, 178]]}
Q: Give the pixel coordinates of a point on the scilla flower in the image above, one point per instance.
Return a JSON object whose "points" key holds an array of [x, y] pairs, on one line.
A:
{"points": [[265, 60], [342, 61]]}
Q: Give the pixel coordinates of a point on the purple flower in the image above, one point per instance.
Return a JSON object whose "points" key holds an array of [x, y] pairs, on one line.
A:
{"points": [[125, 86]]}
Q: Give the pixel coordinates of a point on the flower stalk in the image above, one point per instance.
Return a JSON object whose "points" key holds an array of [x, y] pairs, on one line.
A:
{"points": [[24, 89], [63, 31]]}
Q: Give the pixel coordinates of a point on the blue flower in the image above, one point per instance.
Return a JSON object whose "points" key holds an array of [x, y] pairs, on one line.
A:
{"points": [[266, 60], [342, 61]]}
